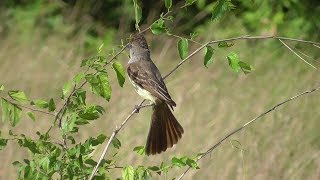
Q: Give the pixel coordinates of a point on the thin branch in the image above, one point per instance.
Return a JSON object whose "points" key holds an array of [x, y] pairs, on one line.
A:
{"points": [[137, 107], [248, 123], [114, 133], [286, 45], [27, 107]]}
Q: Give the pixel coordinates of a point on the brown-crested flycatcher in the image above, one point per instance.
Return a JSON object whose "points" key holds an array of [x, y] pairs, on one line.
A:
{"points": [[165, 130]]}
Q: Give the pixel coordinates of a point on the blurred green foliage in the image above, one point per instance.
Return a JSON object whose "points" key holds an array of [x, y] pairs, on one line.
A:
{"points": [[103, 20]]}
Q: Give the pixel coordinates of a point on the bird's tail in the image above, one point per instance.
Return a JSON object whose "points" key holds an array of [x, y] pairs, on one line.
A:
{"points": [[165, 130]]}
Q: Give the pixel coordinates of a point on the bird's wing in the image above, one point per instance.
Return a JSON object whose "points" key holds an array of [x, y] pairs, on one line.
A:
{"points": [[148, 79]]}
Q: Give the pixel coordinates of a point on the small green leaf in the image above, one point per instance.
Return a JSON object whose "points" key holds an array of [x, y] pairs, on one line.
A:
{"points": [[40, 103], [128, 173], [90, 113], [154, 168], [118, 68], [51, 105], [225, 44], [11, 112], [32, 116], [158, 27], [236, 144], [100, 48], [178, 162], [234, 60], [194, 35], [168, 3], [192, 163], [220, 8], [1, 87], [18, 96], [116, 143], [3, 143], [183, 48], [139, 149], [66, 88], [137, 13], [208, 57], [100, 84], [78, 78], [90, 162], [246, 68]]}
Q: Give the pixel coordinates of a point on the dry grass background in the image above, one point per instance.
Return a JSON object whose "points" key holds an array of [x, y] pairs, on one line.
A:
{"points": [[211, 102]]}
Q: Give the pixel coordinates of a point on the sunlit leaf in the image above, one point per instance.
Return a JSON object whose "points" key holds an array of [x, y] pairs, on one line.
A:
{"points": [[183, 48], [137, 12], [19, 96], [158, 27], [234, 60], [128, 173], [118, 68], [40, 103], [139, 149], [1, 87]]}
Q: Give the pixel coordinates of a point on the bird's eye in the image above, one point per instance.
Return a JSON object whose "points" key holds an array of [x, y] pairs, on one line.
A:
{"points": [[129, 46]]}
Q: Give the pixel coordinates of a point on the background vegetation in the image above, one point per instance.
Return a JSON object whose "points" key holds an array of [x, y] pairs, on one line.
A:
{"points": [[43, 42]]}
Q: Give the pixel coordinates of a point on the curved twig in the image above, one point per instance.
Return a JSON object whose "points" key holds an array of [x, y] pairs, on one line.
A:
{"points": [[247, 124]]}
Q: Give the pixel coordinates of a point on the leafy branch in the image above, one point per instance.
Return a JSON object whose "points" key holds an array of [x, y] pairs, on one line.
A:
{"points": [[249, 123], [138, 107]]}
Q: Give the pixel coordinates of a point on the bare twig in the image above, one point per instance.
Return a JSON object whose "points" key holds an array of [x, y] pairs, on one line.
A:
{"points": [[116, 131], [27, 107], [286, 45], [247, 124]]}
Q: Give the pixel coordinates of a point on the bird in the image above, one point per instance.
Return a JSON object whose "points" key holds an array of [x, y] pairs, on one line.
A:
{"points": [[165, 131]]}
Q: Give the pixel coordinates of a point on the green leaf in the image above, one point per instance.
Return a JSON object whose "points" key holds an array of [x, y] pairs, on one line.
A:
{"points": [[246, 68], [51, 105], [183, 48], [90, 113], [177, 162], [139, 149], [168, 3], [236, 144], [128, 173], [137, 13], [30, 144], [66, 88], [44, 163], [78, 78], [31, 115], [220, 8], [91, 162], [3, 143], [100, 84], [1, 87], [158, 27], [208, 57], [118, 68], [18, 96], [234, 60], [192, 163], [116, 143], [40, 103], [11, 111], [100, 48], [225, 44]]}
